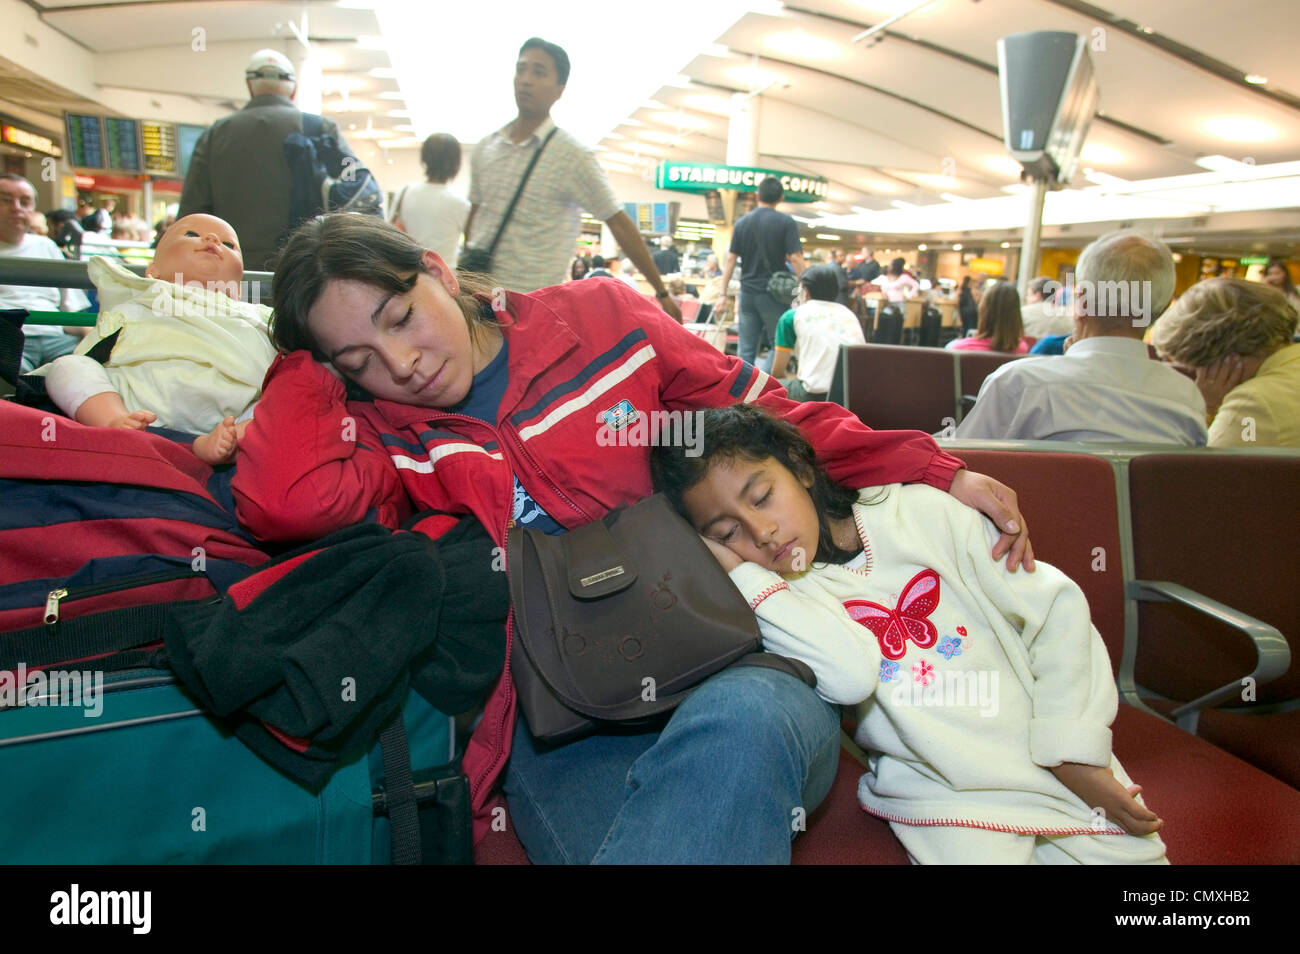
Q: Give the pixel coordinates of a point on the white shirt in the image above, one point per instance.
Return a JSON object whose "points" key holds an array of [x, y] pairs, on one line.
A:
{"points": [[538, 241], [433, 216], [34, 298], [1103, 389], [820, 327], [1044, 318]]}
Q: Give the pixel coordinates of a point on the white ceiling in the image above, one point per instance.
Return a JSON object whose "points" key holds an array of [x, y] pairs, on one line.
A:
{"points": [[914, 116]]}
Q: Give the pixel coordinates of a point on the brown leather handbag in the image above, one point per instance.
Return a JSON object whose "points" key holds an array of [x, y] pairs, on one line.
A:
{"points": [[617, 621]]}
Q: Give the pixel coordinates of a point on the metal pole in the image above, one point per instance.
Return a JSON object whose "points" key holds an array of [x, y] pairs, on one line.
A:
{"points": [[1033, 233]]}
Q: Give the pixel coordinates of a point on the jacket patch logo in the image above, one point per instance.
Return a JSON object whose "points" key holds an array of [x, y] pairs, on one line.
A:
{"points": [[620, 415]]}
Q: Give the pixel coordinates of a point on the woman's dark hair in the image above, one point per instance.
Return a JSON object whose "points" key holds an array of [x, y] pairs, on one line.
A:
{"points": [[896, 267], [441, 157], [999, 318], [1288, 286], [822, 282], [746, 432], [578, 268], [360, 248]]}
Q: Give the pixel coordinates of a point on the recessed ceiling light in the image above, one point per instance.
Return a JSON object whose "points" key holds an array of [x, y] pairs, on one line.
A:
{"points": [[922, 247], [752, 76], [828, 237], [804, 45], [1255, 79], [1239, 129], [1146, 29], [1003, 164], [1096, 152], [1218, 163], [956, 246], [1006, 244]]}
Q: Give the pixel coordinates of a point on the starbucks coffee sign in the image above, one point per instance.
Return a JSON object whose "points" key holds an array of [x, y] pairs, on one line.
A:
{"points": [[706, 176]]}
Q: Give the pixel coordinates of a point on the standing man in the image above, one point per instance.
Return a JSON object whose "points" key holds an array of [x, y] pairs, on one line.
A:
{"points": [[666, 259], [533, 251], [764, 240], [43, 343], [239, 172]]}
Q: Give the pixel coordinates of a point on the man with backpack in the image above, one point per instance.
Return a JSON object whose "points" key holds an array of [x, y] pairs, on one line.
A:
{"points": [[764, 240], [239, 171]]}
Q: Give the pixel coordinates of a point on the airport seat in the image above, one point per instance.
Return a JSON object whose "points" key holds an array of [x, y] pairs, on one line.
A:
{"points": [[1223, 525], [974, 367], [1213, 803], [891, 387]]}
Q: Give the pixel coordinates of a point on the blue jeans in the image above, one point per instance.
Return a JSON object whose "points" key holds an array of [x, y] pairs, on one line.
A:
{"points": [[759, 313], [39, 350], [721, 783]]}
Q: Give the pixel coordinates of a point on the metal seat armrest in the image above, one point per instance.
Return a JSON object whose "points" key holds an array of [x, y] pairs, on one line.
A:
{"points": [[1274, 655]]}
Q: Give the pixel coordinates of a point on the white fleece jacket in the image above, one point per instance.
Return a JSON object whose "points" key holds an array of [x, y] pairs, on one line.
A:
{"points": [[975, 679]]}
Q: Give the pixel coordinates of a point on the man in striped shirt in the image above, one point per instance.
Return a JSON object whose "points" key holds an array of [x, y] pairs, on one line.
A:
{"points": [[534, 249]]}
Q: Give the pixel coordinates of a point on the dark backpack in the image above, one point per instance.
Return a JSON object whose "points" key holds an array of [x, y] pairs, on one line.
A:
{"points": [[326, 178]]}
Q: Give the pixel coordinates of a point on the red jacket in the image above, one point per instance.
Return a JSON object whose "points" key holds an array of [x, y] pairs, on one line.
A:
{"points": [[310, 464]]}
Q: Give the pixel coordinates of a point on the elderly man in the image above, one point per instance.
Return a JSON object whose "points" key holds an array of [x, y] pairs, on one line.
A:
{"points": [[1105, 387], [239, 172], [533, 247], [43, 343]]}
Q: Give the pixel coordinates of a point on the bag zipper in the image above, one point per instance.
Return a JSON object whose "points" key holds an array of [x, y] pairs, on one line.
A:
{"points": [[57, 596]]}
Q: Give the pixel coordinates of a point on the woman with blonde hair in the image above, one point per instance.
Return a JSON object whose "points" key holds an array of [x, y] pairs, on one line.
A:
{"points": [[1234, 336]]}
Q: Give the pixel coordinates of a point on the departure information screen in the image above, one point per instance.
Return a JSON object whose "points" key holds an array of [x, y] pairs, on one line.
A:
{"points": [[85, 141], [158, 145], [123, 143]]}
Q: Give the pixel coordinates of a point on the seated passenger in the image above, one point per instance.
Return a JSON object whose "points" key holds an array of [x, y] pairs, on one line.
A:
{"points": [[1105, 387], [813, 332], [1235, 336], [532, 408], [986, 697], [189, 354], [999, 327], [1042, 315]]}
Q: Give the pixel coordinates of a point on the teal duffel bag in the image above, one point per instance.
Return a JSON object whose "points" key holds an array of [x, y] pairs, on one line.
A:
{"points": [[151, 779]]}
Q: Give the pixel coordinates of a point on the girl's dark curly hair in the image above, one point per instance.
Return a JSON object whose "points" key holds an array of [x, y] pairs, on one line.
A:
{"points": [[746, 432]]}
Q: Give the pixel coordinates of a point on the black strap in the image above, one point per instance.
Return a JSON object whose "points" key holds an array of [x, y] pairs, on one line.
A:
{"points": [[519, 191], [399, 793], [85, 636]]}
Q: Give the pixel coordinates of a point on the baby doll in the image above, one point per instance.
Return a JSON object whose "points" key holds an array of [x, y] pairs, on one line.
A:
{"points": [[189, 354]]}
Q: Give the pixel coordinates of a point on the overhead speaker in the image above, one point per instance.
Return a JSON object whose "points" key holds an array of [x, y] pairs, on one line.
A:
{"points": [[1049, 96]]}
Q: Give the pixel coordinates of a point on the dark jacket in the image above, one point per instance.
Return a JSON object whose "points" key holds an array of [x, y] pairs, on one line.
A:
{"points": [[238, 172]]}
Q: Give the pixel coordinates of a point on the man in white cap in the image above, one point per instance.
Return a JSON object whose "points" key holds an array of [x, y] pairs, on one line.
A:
{"points": [[239, 172]]}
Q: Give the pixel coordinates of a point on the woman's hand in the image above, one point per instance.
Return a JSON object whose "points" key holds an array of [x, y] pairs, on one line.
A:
{"points": [[998, 502], [724, 556], [1216, 380], [1098, 788]]}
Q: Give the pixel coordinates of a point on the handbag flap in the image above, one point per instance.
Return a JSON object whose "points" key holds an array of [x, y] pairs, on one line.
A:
{"points": [[595, 566]]}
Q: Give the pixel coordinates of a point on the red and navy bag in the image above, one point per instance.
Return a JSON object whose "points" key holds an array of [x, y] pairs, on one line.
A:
{"points": [[120, 552]]}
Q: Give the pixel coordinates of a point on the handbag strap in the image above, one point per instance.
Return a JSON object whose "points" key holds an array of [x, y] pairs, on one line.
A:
{"points": [[519, 191]]}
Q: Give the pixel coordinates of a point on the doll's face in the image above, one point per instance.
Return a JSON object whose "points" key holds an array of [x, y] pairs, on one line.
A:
{"points": [[200, 248]]}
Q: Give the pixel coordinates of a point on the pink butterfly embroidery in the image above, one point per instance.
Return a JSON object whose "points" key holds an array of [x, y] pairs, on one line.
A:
{"points": [[894, 627]]}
